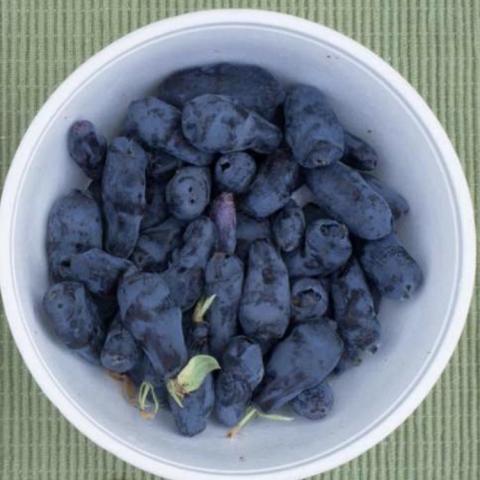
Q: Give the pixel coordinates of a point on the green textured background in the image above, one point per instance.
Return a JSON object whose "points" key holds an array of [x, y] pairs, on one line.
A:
{"points": [[435, 44]]}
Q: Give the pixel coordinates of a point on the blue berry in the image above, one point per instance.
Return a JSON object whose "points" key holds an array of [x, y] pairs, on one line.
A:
{"points": [[359, 154], [314, 403], [156, 210], [248, 230], [254, 87], [191, 419], [309, 299], [120, 353], [265, 304], [223, 278], [186, 284], [347, 197], [74, 226], [327, 247], [87, 148], [162, 166], [327, 242], [301, 360], [188, 192], [123, 193], [235, 171], [155, 245], [157, 125], [97, 270], [149, 313], [271, 188], [224, 215], [397, 203], [92, 351], [288, 227], [232, 395], [220, 124], [198, 243], [243, 359], [312, 128], [71, 313], [390, 268], [354, 310]]}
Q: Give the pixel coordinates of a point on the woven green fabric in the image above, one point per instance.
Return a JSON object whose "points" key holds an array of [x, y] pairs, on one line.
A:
{"points": [[435, 44]]}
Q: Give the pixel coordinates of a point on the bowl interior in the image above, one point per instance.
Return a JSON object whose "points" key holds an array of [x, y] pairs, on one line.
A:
{"points": [[367, 106]]}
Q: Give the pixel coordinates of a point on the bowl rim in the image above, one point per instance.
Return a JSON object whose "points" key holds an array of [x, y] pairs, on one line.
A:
{"points": [[459, 306]]}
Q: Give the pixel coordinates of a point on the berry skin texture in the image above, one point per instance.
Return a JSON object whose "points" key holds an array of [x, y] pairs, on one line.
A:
{"points": [[397, 203], [149, 313], [155, 245], [346, 196], [224, 277], [123, 194], [191, 419], [309, 299], [186, 284], [327, 248], [162, 166], [92, 350], [327, 241], [143, 371], [185, 273], [87, 148], [224, 215], [120, 353], [359, 154], [254, 87], [243, 358], [74, 226], [248, 230], [235, 171], [314, 403], [312, 128], [390, 268], [265, 303], [270, 190], [188, 192], [301, 360], [220, 124], [94, 190], [98, 271], [288, 227], [71, 313], [232, 396], [198, 243], [242, 371], [354, 310], [156, 210], [157, 126]]}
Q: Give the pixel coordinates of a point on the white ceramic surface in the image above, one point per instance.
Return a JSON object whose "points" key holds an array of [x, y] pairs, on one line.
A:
{"points": [[373, 101]]}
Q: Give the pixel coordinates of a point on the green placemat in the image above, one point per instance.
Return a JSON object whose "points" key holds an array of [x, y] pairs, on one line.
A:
{"points": [[435, 44]]}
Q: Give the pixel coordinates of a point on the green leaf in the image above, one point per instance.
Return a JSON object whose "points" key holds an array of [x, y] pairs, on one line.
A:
{"points": [[191, 376], [202, 307], [195, 371]]}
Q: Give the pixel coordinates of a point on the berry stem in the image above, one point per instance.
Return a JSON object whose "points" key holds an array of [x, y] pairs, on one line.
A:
{"points": [[250, 414]]}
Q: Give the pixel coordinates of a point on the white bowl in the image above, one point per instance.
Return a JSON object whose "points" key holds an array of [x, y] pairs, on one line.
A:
{"points": [[373, 101]]}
